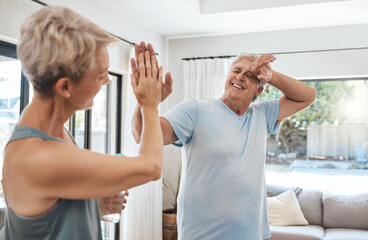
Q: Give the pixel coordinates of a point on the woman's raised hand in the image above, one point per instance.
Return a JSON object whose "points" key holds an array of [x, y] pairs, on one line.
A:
{"points": [[142, 48], [147, 80]]}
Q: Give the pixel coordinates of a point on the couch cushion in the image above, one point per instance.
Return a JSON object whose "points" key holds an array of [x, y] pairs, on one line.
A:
{"points": [[345, 211], [284, 210], [310, 202], [345, 234], [310, 232]]}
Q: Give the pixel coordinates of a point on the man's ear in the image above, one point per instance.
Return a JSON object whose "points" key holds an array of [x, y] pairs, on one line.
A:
{"points": [[259, 91], [63, 87]]}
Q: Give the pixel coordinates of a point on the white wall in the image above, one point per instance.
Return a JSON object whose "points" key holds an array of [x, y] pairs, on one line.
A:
{"points": [[14, 12]]}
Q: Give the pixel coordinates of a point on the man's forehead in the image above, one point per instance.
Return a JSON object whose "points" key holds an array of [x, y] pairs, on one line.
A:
{"points": [[243, 63]]}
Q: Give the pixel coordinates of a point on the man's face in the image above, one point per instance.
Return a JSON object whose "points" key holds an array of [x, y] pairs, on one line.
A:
{"points": [[241, 83]]}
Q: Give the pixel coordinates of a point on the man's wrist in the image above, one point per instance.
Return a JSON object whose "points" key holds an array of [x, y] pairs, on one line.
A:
{"points": [[274, 77]]}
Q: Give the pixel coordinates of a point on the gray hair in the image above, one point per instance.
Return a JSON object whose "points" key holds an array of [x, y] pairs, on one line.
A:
{"points": [[250, 57], [57, 42]]}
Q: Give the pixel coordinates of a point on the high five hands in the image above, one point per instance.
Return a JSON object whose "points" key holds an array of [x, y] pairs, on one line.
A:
{"points": [[138, 67]]}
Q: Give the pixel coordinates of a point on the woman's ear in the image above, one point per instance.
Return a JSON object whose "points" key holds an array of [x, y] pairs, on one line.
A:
{"points": [[63, 87]]}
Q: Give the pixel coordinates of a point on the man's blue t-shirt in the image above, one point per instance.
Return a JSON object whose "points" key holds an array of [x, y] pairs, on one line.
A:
{"points": [[222, 191]]}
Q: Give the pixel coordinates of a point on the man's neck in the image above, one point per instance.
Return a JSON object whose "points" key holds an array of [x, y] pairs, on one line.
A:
{"points": [[238, 107]]}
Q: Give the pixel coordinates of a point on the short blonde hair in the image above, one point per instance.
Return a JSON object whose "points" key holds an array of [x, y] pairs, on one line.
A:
{"points": [[57, 42]]}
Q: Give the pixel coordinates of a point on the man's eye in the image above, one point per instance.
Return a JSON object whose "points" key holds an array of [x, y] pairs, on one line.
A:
{"points": [[253, 77]]}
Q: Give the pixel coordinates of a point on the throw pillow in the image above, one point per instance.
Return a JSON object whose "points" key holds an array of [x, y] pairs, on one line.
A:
{"points": [[284, 210], [274, 190]]}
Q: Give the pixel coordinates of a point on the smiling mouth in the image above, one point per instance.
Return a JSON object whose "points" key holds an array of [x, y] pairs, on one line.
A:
{"points": [[237, 86]]}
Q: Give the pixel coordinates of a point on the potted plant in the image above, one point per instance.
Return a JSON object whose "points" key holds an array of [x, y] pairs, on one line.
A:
{"points": [[169, 226]]}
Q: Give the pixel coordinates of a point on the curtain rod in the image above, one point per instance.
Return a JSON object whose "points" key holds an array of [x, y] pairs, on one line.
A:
{"points": [[122, 39], [210, 57], [276, 53]]}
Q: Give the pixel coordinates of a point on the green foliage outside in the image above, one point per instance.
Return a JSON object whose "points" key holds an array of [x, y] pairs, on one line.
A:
{"points": [[325, 109]]}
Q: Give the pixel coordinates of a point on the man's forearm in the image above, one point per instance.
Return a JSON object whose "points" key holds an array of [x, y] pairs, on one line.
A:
{"points": [[293, 89], [137, 124]]}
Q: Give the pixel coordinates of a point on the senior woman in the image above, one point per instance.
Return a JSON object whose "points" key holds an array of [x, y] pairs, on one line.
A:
{"points": [[51, 185]]}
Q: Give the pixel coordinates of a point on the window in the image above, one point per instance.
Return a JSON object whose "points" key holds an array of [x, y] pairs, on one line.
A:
{"points": [[10, 75], [104, 116], [12, 102], [324, 146], [99, 127]]}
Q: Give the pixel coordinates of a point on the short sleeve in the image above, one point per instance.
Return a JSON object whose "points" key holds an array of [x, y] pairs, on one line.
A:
{"points": [[271, 111], [183, 118]]}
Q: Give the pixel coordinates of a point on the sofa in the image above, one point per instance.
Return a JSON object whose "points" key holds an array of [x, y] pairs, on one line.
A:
{"points": [[329, 216]]}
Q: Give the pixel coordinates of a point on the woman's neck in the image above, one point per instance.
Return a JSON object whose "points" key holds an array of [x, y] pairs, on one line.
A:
{"points": [[48, 115]]}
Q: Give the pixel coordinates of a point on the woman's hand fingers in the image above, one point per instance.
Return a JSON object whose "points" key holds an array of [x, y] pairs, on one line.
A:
{"points": [[154, 67], [141, 66], [133, 66], [147, 85], [152, 52], [148, 65]]}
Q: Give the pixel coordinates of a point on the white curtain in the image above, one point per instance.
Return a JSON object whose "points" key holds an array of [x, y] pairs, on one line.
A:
{"points": [[142, 217], [205, 78]]}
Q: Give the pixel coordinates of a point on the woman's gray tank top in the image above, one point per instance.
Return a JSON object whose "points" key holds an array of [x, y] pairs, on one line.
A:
{"points": [[67, 220]]}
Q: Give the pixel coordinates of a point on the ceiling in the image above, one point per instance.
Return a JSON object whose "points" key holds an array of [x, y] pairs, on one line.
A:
{"points": [[187, 18]]}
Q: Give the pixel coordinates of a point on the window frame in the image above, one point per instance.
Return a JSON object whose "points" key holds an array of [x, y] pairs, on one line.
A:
{"points": [[10, 50]]}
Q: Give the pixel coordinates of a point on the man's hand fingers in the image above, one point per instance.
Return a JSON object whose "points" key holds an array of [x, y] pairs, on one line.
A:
{"points": [[262, 77], [168, 84], [262, 62], [143, 47], [265, 59], [168, 78]]}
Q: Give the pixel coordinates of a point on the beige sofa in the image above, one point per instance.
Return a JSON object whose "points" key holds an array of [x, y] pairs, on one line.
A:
{"points": [[330, 216]]}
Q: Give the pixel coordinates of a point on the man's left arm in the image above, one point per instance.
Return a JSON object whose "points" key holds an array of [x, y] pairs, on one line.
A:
{"points": [[297, 95]]}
